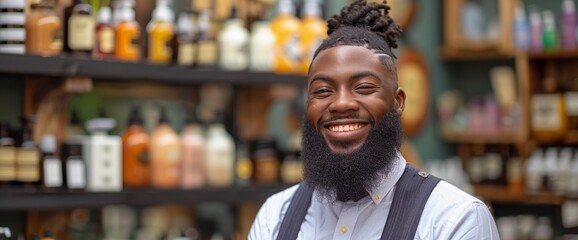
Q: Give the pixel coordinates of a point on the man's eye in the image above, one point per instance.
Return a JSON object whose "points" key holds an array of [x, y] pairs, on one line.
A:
{"points": [[366, 89], [322, 92]]}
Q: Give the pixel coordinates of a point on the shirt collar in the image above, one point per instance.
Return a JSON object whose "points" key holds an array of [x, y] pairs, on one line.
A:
{"points": [[387, 181], [385, 184]]}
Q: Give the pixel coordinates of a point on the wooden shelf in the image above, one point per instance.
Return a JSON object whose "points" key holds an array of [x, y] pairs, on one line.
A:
{"points": [[504, 195], [26, 199], [561, 54], [63, 66], [449, 54], [498, 137]]}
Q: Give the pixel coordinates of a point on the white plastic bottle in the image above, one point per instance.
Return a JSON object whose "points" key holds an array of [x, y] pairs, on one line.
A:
{"points": [[220, 156], [233, 43], [262, 47], [534, 168]]}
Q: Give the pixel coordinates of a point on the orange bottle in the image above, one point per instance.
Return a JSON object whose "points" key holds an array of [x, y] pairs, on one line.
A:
{"points": [[285, 27], [160, 34], [127, 35], [135, 164], [165, 155], [313, 31], [43, 30]]}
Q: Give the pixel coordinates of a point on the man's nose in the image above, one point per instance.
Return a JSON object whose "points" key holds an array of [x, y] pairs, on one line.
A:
{"points": [[344, 101]]}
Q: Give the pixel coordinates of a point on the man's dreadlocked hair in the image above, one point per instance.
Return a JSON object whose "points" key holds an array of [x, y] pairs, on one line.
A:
{"points": [[363, 24]]}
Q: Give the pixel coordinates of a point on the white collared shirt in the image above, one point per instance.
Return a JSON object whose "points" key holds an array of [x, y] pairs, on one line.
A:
{"points": [[449, 213]]}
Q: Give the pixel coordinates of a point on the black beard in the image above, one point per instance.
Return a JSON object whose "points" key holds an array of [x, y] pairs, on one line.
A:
{"points": [[351, 175]]}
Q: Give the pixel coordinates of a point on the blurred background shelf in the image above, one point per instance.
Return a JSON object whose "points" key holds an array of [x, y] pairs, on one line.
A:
{"points": [[63, 66], [38, 199], [503, 194], [495, 137]]}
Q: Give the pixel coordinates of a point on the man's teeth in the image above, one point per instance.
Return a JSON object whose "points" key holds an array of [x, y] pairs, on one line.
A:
{"points": [[345, 128]]}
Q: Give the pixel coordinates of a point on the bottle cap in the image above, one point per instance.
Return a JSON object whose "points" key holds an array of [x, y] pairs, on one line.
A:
{"points": [[163, 13], [135, 117], [48, 143], [105, 14], [286, 7], [163, 116], [311, 8], [568, 6], [185, 23]]}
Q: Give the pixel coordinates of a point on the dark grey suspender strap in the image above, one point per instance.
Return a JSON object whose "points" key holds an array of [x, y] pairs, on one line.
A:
{"points": [[411, 194], [295, 213]]}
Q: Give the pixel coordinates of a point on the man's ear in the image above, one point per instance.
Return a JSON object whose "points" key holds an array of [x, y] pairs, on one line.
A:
{"points": [[399, 103]]}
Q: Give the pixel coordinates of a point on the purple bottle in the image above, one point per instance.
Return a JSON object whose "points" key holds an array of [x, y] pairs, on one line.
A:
{"points": [[568, 24], [536, 44]]}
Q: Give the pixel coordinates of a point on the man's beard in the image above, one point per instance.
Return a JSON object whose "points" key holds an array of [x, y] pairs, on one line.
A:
{"points": [[351, 175]]}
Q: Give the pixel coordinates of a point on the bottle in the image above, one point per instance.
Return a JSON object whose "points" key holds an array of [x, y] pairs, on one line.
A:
{"points": [[51, 164], [572, 187], [549, 119], [521, 28], [233, 44], [7, 155], [12, 30], [43, 30], [563, 171], [220, 154], [313, 30], [262, 47], [127, 34], [291, 168], [103, 156], [160, 33], [79, 27], [286, 29], [48, 235], [135, 147], [266, 161], [515, 172], [185, 48], [165, 155], [568, 24], [549, 34], [549, 168], [104, 34], [193, 154], [535, 31], [534, 172], [27, 156], [243, 165], [208, 50], [71, 153]]}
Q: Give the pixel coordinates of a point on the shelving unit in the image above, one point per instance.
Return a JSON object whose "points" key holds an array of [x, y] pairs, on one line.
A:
{"points": [[503, 194], [61, 66], [38, 199]]}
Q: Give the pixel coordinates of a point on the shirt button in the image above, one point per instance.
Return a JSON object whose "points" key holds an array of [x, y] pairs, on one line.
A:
{"points": [[376, 197], [344, 229]]}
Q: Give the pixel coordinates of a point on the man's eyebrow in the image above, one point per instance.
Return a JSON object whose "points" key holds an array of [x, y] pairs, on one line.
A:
{"points": [[320, 77], [364, 74]]}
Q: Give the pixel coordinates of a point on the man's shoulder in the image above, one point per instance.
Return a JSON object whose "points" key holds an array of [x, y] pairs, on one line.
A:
{"points": [[277, 203], [448, 201]]}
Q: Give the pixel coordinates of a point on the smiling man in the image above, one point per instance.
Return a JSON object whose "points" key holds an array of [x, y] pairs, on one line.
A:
{"points": [[356, 183]]}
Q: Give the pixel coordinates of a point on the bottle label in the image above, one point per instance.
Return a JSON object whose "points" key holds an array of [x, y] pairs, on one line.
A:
{"points": [[571, 103], [106, 40], [546, 112], [160, 48], [52, 172], [186, 55], [7, 173], [27, 157], [234, 56], [7, 155], [207, 53], [81, 32], [28, 173], [75, 173]]}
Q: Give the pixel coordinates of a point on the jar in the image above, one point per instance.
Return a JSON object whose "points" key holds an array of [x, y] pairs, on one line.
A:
{"points": [[266, 162]]}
